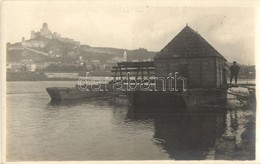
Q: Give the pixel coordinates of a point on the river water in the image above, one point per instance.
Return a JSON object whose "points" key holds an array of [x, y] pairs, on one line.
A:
{"points": [[110, 129]]}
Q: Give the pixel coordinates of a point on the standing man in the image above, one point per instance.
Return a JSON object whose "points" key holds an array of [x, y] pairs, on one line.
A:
{"points": [[234, 72]]}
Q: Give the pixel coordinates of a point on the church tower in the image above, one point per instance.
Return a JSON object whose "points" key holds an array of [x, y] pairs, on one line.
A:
{"points": [[125, 56]]}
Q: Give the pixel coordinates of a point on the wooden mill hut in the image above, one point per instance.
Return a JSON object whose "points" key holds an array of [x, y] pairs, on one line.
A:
{"points": [[193, 58]]}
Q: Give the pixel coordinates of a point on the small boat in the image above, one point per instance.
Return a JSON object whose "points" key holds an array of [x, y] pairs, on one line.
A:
{"points": [[70, 93]]}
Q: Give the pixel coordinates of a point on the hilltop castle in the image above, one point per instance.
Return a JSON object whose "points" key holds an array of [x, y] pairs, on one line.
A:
{"points": [[44, 32], [38, 39]]}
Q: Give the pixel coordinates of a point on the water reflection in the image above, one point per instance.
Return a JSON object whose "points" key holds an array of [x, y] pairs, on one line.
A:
{"points": [[234, 120], [184, 135]]}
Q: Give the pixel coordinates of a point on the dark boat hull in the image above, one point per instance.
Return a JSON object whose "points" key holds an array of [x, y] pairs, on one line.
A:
{"points": [[62, 93]]}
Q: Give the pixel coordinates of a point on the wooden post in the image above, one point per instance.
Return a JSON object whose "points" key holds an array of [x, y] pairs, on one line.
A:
{"points": [[148, 73], [120, 73], [136, 76], [115, 74], [142, 74], [126, 73]]}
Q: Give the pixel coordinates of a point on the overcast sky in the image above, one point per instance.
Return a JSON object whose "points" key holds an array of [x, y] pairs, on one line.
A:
{"points": [[131, 26]]}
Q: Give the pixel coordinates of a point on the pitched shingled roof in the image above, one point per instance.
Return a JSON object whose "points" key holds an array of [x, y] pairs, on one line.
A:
{"points": [[188, 43]]}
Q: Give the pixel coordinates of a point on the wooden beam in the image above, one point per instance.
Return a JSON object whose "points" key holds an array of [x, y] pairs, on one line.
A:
{"points": [[132, 70], [137, 64]]}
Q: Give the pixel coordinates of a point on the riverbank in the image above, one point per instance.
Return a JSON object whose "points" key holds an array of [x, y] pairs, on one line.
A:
{"points": [[48, 76], [227, 147], [33, 76], [246, 149]]}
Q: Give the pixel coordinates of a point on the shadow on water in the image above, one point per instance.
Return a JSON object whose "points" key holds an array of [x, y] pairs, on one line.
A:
{"points": [[184, 134]]}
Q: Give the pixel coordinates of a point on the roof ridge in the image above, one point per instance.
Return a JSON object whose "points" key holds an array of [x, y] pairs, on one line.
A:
{"points": [[197, 46]]}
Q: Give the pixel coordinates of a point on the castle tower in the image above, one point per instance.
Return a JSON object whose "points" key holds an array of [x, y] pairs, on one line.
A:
{"points": [[45, 25], [45, 32]]}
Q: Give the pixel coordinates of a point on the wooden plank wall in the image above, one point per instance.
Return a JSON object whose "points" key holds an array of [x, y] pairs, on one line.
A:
{"points": [[219, 72], [201, 72], [163, 67]]}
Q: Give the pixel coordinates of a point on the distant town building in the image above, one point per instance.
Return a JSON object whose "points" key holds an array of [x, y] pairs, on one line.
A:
{"points": [[103, 66], [95, 61], [110, 62], [88, 66], [80, 57], [31, 67], [40, 66], [25, 65], [118, 59], [15, 67], [80, 61]]}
